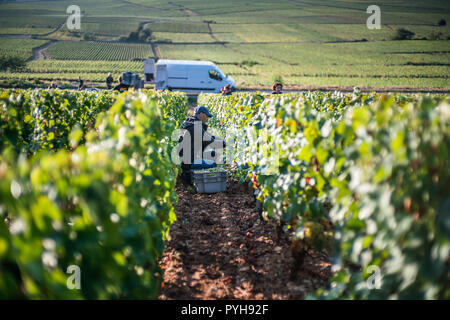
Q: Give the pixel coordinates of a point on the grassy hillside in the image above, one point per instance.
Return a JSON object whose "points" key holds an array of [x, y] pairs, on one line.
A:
{"points": [[308, 43]]}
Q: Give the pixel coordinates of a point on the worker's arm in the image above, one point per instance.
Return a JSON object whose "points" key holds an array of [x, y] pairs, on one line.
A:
{"points": [[208, 138]]}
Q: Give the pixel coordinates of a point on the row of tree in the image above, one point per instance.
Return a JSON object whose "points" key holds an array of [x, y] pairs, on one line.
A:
{"points": [[12, 63], [140, 35]]}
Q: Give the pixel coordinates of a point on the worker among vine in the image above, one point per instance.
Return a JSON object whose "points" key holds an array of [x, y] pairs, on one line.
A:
{"points": [[194, 139], [277, 88], [121, 86]]}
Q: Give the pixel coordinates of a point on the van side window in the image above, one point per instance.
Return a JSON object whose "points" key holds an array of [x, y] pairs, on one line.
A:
{"points": [[213, 74]]}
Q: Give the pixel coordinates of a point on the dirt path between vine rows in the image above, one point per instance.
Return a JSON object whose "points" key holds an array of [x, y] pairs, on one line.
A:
{"points": [[221, 249], [40, 53]]}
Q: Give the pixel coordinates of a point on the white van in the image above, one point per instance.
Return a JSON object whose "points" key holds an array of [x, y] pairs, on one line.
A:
{"points": [[187, 76]]}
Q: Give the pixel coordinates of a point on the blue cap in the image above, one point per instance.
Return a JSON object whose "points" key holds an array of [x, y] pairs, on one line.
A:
{"points": [[202, 109]]}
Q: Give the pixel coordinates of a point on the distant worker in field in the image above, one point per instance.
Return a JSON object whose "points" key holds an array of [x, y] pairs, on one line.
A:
{"points": [[121, 86], [193, 141], [81, 85], [226, 91], [52, 86], [277, 88], [109, 81]]}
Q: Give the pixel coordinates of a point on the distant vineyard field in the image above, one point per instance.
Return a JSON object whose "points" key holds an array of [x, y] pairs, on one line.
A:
{"points": [[90, 50], [108, 26], [19, 47], [19, 30], [74, 66], [182, 37], [30, 18], [65, 72], [307, 44], [178, 27]]}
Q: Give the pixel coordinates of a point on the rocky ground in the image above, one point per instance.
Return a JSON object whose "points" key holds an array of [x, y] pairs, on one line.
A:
{"points": [[220, 248]]}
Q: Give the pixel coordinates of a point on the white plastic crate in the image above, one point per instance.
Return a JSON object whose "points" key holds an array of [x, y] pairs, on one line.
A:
{"points": [[210, 182]]}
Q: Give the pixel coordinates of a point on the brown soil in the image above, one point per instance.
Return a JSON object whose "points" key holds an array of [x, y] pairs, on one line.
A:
{"points": [[221, 249], [41, 52]]}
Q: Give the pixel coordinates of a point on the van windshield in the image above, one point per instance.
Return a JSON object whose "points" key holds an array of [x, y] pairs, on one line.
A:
{"points": [[214, 74]]}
